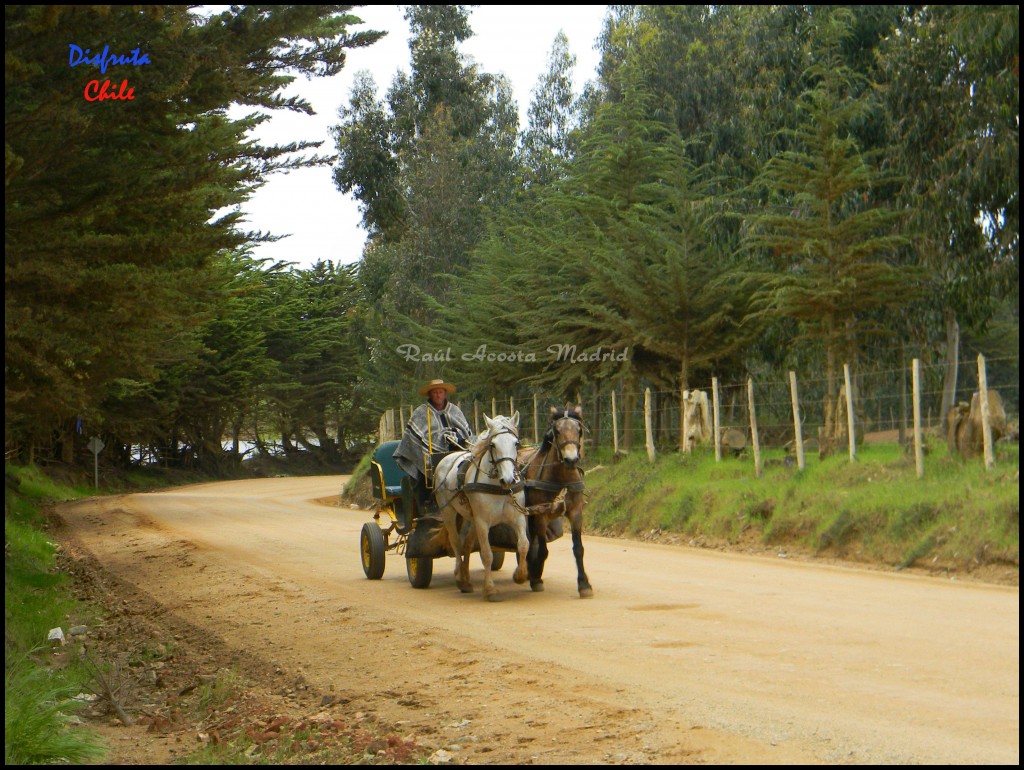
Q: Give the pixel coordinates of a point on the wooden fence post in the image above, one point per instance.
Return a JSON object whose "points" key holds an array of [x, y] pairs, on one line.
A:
{"points": [[903, 396], [986, 416], [849, 413], [615, 426], [386, 428], [648, 428], [684, 423], [535, 440], [918, 449], [683, 443], [718, 437], [798, 434], [753, 427], [682, 419]]}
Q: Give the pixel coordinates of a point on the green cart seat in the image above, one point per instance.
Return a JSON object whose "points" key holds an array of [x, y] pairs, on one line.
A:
{"points": [[386, 476]]}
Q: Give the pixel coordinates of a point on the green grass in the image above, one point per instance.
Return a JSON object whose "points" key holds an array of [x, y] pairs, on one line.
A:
{"points": [[225, 686], [39, 711], [38, 704], [360, 474], [959, 515]]}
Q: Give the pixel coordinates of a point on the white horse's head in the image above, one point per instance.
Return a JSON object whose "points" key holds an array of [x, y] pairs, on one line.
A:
{"points": [[502, 438]]}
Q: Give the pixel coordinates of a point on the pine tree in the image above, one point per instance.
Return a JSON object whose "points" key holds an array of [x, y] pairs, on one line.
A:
{"points": [[830, 242]]}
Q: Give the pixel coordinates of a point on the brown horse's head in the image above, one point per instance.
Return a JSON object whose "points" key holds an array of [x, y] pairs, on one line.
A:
{"points": [[565, 435]]}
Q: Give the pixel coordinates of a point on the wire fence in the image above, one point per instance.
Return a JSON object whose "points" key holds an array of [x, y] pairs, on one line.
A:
{"points": [[616, 419]]}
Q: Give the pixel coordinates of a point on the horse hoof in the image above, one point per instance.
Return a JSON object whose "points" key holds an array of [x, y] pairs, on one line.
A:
{"points": [[465, 588], [586, 593], [495, 597], [520, 579], [537, 586]]}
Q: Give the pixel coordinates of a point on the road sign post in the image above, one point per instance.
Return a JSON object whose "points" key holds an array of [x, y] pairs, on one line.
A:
{"points": [[96, 446]]}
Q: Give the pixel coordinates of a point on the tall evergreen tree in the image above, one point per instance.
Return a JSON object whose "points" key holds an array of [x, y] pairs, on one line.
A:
{"points": [[109, 231], [658, 280], [609, 276], [314, 403], [829, 240]]}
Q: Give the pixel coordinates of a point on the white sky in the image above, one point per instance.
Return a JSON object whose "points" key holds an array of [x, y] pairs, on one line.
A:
{"points": [[321, 222]]}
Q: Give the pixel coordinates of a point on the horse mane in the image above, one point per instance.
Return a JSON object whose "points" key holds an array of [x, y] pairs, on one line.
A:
{"points": [[549, 438], [478, 446]]}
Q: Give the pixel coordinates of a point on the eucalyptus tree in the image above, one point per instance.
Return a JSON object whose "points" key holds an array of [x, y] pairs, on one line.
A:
{"points": [[554, 118], [952, 93], [427, 161]]}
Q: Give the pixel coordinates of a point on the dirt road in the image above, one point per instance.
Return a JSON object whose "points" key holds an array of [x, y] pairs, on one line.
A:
{"points": [[682, 655]]}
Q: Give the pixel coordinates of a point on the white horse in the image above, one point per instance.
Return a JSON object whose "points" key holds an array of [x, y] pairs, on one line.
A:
{"points": [[491, 493]]}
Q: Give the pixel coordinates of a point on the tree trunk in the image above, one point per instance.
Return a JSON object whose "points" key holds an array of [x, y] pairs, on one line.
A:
{"points": [[951, 365], [628, 402], [830, 395], [67, 446], [903, 395]]}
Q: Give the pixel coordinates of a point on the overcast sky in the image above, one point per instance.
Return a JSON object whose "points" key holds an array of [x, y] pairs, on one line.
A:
{"points": [[514, 40]]}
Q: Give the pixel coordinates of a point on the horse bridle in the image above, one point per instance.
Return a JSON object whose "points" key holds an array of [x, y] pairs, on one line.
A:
{"points": [[557, 486], [491, 489], [496, 462], [559, 447]]}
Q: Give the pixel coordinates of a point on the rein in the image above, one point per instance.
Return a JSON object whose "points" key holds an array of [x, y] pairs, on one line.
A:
{"points": [[555, 486]]}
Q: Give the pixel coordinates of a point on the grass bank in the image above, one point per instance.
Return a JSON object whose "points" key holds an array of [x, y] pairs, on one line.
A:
{"points": [[41, 682], [127, 664], [960, 517]]}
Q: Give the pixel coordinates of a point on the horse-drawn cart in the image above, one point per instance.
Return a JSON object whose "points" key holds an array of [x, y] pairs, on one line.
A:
{"points": [[392, 530], [497, 493]]}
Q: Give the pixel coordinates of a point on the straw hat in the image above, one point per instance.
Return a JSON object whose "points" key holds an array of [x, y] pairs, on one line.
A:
{"points": [[434, 384]]}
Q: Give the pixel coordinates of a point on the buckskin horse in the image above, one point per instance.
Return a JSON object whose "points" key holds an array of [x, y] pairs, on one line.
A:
{"points": [[483, 485], [550, 472]]}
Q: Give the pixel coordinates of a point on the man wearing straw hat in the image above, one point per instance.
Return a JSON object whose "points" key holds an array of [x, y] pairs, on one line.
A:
{"points": [[437, 426]]}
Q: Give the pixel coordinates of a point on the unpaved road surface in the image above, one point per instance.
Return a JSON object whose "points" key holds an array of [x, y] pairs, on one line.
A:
{"points": [[682, 655]]}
